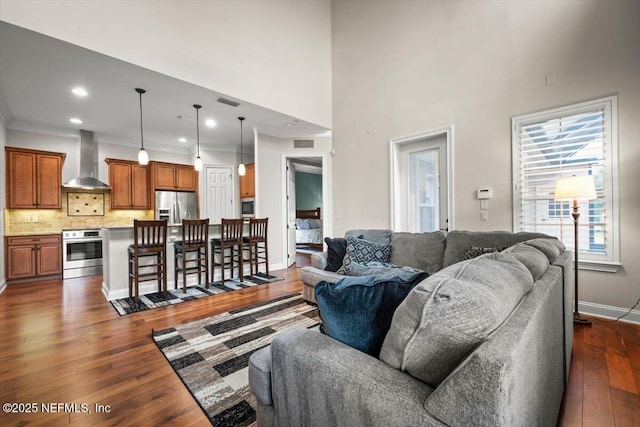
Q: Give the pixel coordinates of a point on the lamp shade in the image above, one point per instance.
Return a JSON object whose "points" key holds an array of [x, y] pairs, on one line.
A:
{"points": [[241, 169], [576, 188]]}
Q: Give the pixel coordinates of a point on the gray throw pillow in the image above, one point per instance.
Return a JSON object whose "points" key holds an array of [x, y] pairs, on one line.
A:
{"points": [[362, 251]]}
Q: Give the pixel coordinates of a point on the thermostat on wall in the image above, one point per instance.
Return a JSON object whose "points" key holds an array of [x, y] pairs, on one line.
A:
{"points": [[484, 193]]}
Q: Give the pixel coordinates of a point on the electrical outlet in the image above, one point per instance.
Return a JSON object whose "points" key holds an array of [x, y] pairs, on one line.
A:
{"points": [[484, 216], [34, 219], [27, 219]]}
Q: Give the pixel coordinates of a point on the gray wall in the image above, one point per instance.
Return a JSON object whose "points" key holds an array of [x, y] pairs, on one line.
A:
{"points": [[405, 67]]}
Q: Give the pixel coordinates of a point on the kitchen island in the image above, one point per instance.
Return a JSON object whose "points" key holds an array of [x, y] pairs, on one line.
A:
{"points": [[115, 245]]}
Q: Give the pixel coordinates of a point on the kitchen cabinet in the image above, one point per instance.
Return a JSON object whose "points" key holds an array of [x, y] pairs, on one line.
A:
{"points": [[129, 182], [248, 181], [171, 176], [33, 257], [34, 179]]}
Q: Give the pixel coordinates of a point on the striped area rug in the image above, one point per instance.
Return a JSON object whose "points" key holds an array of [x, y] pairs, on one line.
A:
{"points": [[176, 296], [211, 355]]}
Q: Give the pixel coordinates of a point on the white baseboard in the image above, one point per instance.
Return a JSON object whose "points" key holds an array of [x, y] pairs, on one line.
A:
{"points": [[3, 285], [273, 267], [609, 312]]}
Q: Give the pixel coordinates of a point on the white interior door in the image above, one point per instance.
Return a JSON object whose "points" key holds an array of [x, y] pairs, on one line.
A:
{"points": [[220, 200], [423, 190], [291, 213]]}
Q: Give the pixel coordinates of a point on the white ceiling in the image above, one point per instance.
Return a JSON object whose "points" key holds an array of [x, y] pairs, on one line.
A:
{"points": [[37, 74]]}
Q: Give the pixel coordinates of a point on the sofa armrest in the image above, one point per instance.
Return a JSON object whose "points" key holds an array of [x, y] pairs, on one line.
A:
{"points": [[317, 380], [319, 260], [260, 375]]}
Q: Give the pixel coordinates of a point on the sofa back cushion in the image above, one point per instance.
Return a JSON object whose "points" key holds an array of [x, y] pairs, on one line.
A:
{"points": [[459, 241], [535, 261], [376, 236], [423, 251], [449, 314]]}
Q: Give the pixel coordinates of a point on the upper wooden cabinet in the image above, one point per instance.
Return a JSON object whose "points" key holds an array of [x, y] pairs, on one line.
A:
{"points": [[248, 181], [170, 176], [34, 179], [129, 183]]}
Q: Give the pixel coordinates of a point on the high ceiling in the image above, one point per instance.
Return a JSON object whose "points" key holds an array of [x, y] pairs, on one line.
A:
{"points": [[37, 74]]}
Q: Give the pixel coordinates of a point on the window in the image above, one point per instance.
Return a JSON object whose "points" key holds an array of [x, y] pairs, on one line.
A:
{"points": [[579, 139]]}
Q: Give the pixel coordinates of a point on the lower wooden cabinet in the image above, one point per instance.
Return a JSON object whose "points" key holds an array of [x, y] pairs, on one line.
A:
{"points": [[33, 257]]}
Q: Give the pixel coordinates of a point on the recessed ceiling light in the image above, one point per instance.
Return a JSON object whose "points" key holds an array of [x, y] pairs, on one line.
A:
{"points": [[75, 120], [289, 125], [210, 123], [80, 91], [182, 139]]}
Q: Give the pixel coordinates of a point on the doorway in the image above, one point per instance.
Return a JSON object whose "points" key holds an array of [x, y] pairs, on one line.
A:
{"points": [[306, 194], [422, 182]]}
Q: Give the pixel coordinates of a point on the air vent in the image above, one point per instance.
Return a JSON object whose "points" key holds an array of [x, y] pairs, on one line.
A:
{"points": [[303, 143], [228, 102]]}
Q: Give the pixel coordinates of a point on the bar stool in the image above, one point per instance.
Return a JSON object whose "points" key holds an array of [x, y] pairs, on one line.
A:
{"points": [[231, 239], [195, 235], [149, 240], [256, 244]]}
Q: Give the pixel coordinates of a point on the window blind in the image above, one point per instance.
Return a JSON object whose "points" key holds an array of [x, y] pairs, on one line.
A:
{"points": [[552, 146]]}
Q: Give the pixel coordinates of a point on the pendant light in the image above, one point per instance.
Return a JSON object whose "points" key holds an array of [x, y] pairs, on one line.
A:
{"points": [[241, 169], [197, 165], [143, 157]]}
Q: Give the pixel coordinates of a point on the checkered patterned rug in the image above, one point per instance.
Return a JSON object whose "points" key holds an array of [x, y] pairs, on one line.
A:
{"points": [[211, 355], [176, 296]]}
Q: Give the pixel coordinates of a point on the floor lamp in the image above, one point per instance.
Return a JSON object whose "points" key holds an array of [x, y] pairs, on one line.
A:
{"points": [[576, 188]]}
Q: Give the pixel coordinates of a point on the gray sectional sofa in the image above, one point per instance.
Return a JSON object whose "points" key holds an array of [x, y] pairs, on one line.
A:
{"points": [[480, 342]]}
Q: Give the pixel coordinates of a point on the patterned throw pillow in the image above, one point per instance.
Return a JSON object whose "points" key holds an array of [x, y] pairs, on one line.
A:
{"points": [[474, 251], [363, 251]]}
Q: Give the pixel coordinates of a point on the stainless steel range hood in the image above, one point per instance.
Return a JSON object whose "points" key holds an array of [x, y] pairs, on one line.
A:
{"points": [[88, 165]]}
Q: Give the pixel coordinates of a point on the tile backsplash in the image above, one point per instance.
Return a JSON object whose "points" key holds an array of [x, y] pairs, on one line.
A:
{"points": [[36, 221]]}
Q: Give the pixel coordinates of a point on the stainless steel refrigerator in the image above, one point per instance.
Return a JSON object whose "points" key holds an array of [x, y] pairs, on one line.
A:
{"points": [[174, 206]]}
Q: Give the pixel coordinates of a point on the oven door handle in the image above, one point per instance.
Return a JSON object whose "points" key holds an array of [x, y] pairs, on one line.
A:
{"points": [[80, 240]]}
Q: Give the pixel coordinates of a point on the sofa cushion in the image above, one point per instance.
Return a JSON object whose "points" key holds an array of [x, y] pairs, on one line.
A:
{"points": [[449, 314], [357, 311], [459, 241], [361, 250], [550, 247], [474, 251], [372, 235], [418, 250], [260, 375], [535, 261]]}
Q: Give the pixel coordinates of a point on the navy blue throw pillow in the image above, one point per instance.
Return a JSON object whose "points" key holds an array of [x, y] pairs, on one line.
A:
{"points": [[336, 250], [357, 311]]}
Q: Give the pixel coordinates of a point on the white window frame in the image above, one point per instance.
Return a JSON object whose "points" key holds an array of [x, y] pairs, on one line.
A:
{"points": [[610, 261]]}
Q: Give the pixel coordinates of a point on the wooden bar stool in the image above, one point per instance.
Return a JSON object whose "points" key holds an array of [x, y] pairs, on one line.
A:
{"points": [[149, 240], [191, 254], [231, 240], [256, 244]]}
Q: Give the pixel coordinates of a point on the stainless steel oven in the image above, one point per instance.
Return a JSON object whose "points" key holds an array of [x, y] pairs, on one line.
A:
{"points": [[81, 253]]}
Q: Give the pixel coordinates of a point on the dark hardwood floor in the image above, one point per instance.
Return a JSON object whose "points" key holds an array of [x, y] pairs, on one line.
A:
{"points": [[65, 343]]}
